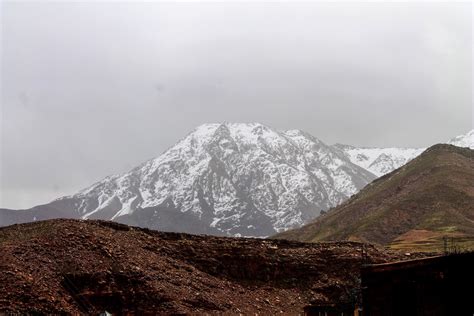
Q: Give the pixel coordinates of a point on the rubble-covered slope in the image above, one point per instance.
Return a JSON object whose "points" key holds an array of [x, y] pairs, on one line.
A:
{"points": [[76, 266]]}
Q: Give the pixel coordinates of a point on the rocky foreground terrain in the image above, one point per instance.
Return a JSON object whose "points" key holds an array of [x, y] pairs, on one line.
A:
{"points": [[77, 266]]}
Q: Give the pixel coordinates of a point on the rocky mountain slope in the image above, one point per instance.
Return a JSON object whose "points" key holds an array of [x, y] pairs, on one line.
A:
{"points": [[222, 179], [88, 267], [380, 161], [413, 207]]}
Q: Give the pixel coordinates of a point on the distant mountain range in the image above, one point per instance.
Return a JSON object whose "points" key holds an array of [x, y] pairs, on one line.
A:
{"points": [[411, 208], [221, 179], [380, 161], [230, 179]]}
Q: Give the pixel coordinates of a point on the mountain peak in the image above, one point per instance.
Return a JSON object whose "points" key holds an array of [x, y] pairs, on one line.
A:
{"points": [[241, 130], [235, 179], [227, 178], [230, 178]]}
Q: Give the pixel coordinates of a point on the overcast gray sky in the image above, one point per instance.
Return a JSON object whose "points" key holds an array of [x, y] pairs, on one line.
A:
{"points": [[91, 89]]}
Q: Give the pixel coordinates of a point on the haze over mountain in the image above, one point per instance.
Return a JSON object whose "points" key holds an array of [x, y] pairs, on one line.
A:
{"points": [[107, 86], [411, 208], [233, 179]]}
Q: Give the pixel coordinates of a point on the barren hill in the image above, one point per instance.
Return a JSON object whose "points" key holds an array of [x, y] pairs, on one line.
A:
{"points": [[76, 266], [413, 207]]}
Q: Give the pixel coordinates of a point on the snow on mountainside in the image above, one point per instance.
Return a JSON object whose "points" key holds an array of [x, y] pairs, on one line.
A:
{"points": [[234, 179], [381, 161], [225, 179], [466, 140], [231, 179]]}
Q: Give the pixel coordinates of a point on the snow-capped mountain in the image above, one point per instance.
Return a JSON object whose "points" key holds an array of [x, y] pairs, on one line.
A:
{"points": [[226, 179], [380, 161], [231, 179], [466, 140]]}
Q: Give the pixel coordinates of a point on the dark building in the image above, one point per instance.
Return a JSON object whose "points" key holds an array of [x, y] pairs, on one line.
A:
{"points": [[432, 286]]}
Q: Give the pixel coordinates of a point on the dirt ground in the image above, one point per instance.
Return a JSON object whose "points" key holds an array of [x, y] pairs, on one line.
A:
{"points": [[73, 266]]}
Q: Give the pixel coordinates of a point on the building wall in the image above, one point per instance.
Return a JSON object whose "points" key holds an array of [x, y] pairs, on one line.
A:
{"points": [[437, 286]]}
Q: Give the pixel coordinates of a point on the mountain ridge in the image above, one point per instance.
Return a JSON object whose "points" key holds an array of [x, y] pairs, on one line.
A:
{"points": [[234, 179], [226, 179]]}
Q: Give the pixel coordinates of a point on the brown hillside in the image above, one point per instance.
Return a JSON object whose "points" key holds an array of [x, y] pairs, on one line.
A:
{"points": [[72, 266], [411, 208]]}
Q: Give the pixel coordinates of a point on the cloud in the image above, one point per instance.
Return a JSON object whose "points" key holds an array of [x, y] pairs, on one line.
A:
{"points": [[91, 89]]}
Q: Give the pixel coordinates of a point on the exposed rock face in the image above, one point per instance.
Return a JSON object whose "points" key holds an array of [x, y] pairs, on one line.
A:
{"points": [[72, 267], [224, 179]]}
